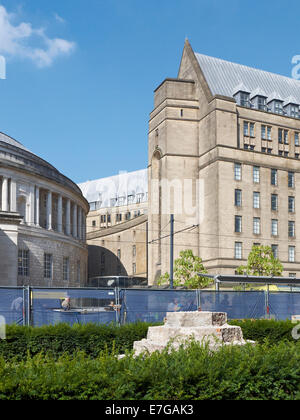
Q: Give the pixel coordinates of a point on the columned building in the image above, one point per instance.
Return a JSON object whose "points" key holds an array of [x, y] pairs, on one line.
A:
{"points": [[42, 221]]}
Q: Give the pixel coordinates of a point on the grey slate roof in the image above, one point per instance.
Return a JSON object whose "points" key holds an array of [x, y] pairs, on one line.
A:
{"points": [[223, 77], [9, 140]]}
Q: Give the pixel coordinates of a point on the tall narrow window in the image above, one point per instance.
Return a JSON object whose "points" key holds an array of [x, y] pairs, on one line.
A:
{"points": [[291, 206], [252, 130], [274, 202], [23, 262], [269, 133], [238, 224], [256, 174], [133, 250], [134, 268], [238, 198], [296, 139], [246, 128], [274, 227], [286, 136], [291, 180], [256, 225], [275, 250], [48, 266], [238, 250], [237, 171], [291, 254], [274, 180], [280, 135], [66, 269], [263, 132], [291, 229], [256, 200], [119, 254]]}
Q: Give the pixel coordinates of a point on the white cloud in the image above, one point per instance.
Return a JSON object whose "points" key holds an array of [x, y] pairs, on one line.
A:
{"points": [[19, 41]]}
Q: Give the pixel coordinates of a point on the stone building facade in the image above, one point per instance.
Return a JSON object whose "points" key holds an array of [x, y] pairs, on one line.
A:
{"points": [[42, 222], [223, 157]]}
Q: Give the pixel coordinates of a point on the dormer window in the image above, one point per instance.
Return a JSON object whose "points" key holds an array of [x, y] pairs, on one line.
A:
{"points": [[242, 95], [275, 103], [278, 107], [259, 99], [291, 107]]}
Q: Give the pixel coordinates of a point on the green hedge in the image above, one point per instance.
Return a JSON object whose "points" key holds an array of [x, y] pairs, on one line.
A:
{"points": [[232, 373], [92, 339], [62, 338], [263, 329]]}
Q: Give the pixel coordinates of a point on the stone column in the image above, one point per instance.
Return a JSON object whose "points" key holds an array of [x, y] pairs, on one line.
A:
{"points": [[68, 217], [75, 220], [4, 194], [37, 206], [13, 196], [49, 210], [59, 214]]}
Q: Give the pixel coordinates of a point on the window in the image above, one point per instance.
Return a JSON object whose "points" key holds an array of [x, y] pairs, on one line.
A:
{"points": [[269, 133], [66, 269], [93, 223], [118, 217], [264, 149], [128, 215], [134, 250], [280, 136], [246, 129], [291, 254], [296, 139], [237, 171], [134, 268], [238, 224], [252, 130], [286, 154], [274, 227], [23, 262], [275, 250], [263, 132], [286, 136], [244, 99], [291, 180], [48, 262], [291, 206], [256, 200], [119, 254], [130, 199], [274, 202], [103, 218], [297, 155], [280, 152], [256, 174], [291, 229], [278, 107], [274, 177], [256, 225], [269, 151], [238, 248], [238, 198], [294, 111], [108, 218]]}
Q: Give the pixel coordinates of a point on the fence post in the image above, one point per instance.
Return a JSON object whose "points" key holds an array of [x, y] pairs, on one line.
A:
{"points": [[267, 307], [198, 298], [117, 303], [29, 306]]}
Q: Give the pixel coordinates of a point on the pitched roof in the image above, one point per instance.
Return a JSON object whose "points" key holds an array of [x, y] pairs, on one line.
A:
{"points": [[223, 77]]}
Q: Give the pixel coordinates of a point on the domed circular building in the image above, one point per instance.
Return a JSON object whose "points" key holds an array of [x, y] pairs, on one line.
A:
{"points": [[42, 222]]}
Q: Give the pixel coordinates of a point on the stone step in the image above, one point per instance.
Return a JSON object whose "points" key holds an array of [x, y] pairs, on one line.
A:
{"points": [[225, 333], [195, 319]]}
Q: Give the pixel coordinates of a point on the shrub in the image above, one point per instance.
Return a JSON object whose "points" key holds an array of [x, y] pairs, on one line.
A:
{"points": [[62, 338], [233, 373]]}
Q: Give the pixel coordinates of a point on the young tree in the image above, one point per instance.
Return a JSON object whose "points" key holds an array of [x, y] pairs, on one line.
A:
{"points": [[186, 269], [261, 262]]}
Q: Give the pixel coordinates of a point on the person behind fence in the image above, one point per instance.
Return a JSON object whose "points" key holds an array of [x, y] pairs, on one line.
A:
{"points": [[174, 306], [66, 304], [17, 307]]}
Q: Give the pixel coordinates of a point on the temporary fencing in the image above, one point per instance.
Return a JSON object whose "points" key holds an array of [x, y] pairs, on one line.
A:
{"points": [[48, 306]]}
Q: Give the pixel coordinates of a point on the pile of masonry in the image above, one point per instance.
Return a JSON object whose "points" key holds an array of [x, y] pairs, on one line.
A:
{"points": [[208, 328]]}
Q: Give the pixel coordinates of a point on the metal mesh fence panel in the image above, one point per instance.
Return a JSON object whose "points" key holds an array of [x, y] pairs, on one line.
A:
{"points": [[237, 305], [12, 305], [283, 305], [152, 305], [73, 306]]}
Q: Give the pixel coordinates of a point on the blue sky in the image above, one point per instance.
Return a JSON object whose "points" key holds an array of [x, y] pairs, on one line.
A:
{"points": [[81, 73]]}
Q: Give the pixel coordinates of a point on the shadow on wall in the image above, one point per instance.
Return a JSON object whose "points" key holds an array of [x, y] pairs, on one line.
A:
{"points": [[102, 262], [8, 258]]}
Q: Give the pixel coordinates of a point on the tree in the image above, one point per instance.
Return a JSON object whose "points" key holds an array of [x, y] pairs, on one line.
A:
{"points": [[261, 262], [186, 269]]}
